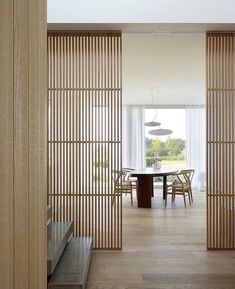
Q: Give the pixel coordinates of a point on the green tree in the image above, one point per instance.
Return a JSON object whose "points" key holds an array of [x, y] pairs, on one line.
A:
{"points": [[170, 146], [156, 145], [179, 146], [171, 149]]}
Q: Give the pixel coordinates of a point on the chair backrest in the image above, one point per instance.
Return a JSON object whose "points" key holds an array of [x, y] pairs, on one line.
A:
{"points": [[189, 173], [121, 178], [183, 178], [179, 178], [118, 177], [127, 172]]}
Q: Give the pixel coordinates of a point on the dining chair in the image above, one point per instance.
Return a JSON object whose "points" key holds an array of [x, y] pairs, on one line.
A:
{"points": [[128, 177], [181, 185], [189, 173], [122, 185]]}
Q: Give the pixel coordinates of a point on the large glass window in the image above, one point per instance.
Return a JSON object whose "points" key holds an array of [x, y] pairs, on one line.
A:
{"points": [[167, 150]]}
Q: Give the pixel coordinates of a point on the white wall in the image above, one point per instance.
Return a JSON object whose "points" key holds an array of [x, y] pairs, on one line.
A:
{"points": [[145, 11], [169, 66]]}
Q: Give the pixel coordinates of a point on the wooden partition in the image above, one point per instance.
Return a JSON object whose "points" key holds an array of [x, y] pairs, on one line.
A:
{"points": [[84, 140], [220, 140], [23, 144]]}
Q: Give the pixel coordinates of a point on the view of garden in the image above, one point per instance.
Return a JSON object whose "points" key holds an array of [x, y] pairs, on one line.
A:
{"points": [[171, 152]]}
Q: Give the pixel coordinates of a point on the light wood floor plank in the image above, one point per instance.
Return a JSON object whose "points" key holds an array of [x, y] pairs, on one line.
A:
{"points": [[163, 249]]}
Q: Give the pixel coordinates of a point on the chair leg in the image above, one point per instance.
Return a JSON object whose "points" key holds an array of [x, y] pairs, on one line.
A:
{"points": [[189, 198], [191, 195], [131, 199], [166, 201], [184, 201]]}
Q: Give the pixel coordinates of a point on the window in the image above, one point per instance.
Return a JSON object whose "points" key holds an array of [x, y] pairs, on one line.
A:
{"points": [[170, 149]]}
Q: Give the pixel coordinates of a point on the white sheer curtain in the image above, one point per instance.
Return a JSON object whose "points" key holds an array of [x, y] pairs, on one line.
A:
{"points": [[133, 138], [196, 144]]}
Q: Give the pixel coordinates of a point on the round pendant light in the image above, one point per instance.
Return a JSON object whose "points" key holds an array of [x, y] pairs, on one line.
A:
{"points": [[152, 123], [160, 131]]}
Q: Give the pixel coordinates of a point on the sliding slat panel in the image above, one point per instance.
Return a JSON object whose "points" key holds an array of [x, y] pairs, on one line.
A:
{"points": [[84, 133], [220, 140]]}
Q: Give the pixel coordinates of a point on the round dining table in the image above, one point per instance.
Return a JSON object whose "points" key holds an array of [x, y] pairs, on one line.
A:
{"points": [[145, 189]]}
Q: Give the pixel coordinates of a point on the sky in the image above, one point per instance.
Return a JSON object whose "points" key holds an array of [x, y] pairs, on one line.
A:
{"points": [[173, 119]]}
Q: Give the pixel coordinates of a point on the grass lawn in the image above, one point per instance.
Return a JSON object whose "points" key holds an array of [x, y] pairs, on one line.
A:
{"points": [[174, 164]]}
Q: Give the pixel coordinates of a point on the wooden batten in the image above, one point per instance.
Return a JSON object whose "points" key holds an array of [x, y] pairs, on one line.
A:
{"points": [[84, 133], [220, 140]]}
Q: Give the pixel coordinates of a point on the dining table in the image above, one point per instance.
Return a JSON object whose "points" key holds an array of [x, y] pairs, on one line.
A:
{"points": [[145, 188]]}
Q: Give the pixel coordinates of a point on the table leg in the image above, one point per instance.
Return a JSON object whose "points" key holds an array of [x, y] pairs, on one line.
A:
{"points": [[144, 191], [164, 187]]}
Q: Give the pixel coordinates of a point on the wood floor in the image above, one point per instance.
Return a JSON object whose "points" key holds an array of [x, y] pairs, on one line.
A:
{"points": [[163, 249]]}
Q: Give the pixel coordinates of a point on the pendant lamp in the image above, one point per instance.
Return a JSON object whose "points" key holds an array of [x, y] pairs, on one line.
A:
{"points": [[160, 131], [153, 122]]}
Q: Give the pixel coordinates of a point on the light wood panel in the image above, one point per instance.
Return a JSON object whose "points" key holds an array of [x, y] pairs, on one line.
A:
{"points": [[220, 140], [23, 145], [6, 145], [42, 140], [84, 133]]}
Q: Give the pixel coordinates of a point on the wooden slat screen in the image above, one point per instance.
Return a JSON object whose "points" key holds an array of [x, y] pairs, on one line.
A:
{"points": [[220, 140], [84, 139]]}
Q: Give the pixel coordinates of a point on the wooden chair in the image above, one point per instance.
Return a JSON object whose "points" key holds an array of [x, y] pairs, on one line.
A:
{"points": [[133, 180], [189, 173], [121, 185], [181, 185]]}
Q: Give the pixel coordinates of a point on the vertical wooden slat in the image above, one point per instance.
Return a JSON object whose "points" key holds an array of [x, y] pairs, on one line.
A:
{"points": [[69, 89], [66, 127], [49, 123], [33, 154], [231, 83], [62, 210], [42, 114], [74, 125], [76, 84], [21, 136], [57, 123], [60, 125], [220, 140], [7, 144]]}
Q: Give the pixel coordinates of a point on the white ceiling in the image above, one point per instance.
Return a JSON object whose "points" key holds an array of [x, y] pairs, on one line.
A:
{"points": [[164, 69], [145, 27], [141, 11]]}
